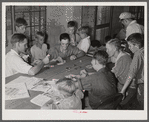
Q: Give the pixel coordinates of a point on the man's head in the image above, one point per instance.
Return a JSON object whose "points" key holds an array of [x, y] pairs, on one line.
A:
{"points": [[39, 37], [20, 24], [112, 46], [95, 43], [126, 18], [66, 86], [135, 42], [19, 41], [99, 60], [65, 40], [71, 27], [107, 38], [83, 31]]}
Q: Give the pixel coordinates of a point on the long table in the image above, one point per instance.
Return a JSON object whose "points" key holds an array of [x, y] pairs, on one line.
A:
{"points": [[56, 72]]}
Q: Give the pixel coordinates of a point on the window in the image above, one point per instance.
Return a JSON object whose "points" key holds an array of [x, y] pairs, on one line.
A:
{"points": [[138, 11], [34, 15], [99, 19]]}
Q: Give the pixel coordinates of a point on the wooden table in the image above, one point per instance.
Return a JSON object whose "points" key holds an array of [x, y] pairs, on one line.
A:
{"points": [[56, 72]]}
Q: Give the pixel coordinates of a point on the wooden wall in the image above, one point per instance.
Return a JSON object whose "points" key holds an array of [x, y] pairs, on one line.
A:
{"points": [[57, 18]]}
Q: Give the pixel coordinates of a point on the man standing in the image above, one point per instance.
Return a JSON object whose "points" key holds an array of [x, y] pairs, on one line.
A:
{"points": [[128, 20]]}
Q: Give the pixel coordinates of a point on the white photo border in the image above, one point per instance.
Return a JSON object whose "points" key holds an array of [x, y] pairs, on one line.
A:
{"points": [[71, 114]]}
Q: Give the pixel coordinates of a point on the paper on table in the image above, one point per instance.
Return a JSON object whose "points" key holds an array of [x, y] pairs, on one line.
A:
{"points": [[16, 91], [30, 81], [40, 100], [52, 94], [43, 85]]}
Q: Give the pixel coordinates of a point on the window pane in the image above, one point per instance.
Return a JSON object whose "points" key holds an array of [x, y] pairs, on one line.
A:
{"points": [[36, 18], [103, 14], [36, 28], [27, 18]]}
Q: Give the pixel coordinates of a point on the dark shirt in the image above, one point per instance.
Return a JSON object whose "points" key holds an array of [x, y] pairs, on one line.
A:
{"points": [[103, 84]]}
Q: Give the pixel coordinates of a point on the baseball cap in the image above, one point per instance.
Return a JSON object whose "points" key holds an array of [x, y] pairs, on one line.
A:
{"points": [[126, 15]]}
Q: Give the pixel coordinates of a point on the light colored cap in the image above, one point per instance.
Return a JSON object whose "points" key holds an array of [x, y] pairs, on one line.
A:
{"points": [[126, 15]]}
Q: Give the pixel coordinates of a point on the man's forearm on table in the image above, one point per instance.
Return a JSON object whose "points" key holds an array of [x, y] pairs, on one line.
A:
{"points": [[34, 70], [80, 54]]}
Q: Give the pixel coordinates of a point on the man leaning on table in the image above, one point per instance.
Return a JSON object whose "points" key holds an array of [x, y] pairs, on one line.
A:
{"points": [[14, 63], [101, 84], [64, 50]]}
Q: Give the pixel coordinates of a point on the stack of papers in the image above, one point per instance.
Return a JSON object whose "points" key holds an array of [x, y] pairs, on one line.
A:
{"points": [[33, 83], [16, 91], [40, 100], [19, 87], [52, 94]]}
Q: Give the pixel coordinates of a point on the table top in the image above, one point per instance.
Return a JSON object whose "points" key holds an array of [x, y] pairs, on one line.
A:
{"points": [[56, 72]]}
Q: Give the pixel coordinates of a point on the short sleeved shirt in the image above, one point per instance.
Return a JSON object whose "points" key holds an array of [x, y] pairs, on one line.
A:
{"points": [[137, 66], [84, 44], [134, 27], [15, 64], [39, 53]]}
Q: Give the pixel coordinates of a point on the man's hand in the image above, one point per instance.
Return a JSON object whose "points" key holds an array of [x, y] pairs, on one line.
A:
{"points": [[124, 95], [46, 59], [73, 57], [60, 59], [36, 62], [83, 73], [25, 57]]}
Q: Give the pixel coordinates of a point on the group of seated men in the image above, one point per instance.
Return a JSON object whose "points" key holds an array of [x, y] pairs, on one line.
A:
{"points": [[126, 77]]}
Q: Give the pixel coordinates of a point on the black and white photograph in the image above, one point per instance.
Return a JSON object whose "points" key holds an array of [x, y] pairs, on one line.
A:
{"points": [[74, 61]]}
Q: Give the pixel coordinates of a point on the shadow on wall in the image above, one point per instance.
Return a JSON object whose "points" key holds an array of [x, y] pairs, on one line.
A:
{"points": [[53, 32], [46, 40]]}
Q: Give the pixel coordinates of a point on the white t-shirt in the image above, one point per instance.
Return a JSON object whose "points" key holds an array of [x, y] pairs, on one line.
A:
{"points": [[15, 64], [37, 53], [134, 27], [84, 44]]}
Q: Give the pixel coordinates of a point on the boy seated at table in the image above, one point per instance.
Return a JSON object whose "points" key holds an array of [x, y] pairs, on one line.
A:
{"points": [[20, 27], [95, 44], [71, 95], [39, 50], [85, 42], [64, 50], [74, 37], [13, 61], [101, 84]]}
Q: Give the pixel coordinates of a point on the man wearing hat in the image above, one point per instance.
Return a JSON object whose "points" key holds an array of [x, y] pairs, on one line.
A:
{"points": [[131, 25]]}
